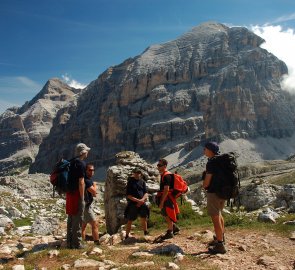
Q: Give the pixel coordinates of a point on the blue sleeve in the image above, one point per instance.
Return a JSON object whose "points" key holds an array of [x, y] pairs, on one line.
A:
{"points": [[88, 183], [144, 187]]}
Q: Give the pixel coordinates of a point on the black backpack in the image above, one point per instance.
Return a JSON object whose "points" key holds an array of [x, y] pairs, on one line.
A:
{"points": [[228, 181]]}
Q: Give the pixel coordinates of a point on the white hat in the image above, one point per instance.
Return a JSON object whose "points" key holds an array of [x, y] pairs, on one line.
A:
{"points": [[81, 148]]}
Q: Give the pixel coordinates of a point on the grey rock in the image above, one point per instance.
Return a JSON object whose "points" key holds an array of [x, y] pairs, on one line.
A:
{"points": [[18, 267], [6, 222], [81, 263], [255, 196], [268, 215], [44, 225]]}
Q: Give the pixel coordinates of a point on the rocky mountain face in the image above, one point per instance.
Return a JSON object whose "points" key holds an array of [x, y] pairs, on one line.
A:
{"points": [[213, 81], [23, 129]]}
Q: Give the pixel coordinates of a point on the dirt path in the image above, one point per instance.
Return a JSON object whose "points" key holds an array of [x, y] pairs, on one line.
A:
{"points": [[246, 250]]}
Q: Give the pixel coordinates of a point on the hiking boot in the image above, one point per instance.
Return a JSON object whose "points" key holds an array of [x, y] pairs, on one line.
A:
{"points": [[175, 229], [215, 241], [96, 242], [217, 248], [81, 246], [146, 233], [168, 235]]}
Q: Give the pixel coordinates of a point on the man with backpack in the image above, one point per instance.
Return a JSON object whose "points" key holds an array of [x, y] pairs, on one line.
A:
{"points": [[215, 204], [137, 196], [89, 216], [75, 197], [167, 202]]}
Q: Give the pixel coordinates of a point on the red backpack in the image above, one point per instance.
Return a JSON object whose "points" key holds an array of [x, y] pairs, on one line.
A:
{"points": [[179, 186]]}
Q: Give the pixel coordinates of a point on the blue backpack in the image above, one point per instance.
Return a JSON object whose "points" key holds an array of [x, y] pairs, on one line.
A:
{"points": [[59, 176]]}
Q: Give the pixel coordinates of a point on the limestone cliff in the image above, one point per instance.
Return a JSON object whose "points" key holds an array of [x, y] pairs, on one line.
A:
{"points": [[212, 81]]}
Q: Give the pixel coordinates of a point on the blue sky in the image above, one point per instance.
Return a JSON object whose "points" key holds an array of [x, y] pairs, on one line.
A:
{"points": [[76, 40]]}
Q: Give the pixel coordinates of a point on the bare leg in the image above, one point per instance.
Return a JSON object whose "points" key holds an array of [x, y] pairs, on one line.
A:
{"points": [[169, 224], [144, 224], [218, 224], [128, 227], [84, 225], [94, 227]]}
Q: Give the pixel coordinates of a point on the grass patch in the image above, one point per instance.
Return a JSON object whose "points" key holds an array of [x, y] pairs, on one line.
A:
{"points": [[22, 222], [283, 180], [242, 220]]}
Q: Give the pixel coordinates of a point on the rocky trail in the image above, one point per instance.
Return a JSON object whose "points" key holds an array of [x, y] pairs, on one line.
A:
{"points": [[247, 249]]}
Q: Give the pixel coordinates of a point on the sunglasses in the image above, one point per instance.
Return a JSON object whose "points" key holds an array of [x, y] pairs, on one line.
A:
{"points": [[160, 165]]}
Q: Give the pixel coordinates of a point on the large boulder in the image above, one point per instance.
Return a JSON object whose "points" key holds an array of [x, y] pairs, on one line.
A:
{"points": [[115, 187], [255, 196]]}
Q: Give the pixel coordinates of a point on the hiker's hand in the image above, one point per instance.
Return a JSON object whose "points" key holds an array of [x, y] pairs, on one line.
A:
{"points": [[161, 205], [139, 204]]}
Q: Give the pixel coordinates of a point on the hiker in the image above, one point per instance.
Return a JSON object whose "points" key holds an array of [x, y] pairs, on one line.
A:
{"points": [[215, 204], [167, 202], [137, 196], [89, 216], [75, 197]]}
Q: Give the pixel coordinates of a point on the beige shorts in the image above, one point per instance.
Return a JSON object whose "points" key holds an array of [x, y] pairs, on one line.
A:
{"points": [[89, 215], [214, 204]]}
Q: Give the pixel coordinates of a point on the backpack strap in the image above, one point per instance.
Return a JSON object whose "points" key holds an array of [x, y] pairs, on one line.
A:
{"points": [[162, 179], [164, 174]]}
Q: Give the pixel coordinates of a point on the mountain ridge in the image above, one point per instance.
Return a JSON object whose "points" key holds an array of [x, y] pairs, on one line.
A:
{"points": [[212, 82]]}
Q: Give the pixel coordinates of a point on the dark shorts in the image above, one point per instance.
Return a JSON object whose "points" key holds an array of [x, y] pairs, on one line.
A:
{"points": [[132, 211]]}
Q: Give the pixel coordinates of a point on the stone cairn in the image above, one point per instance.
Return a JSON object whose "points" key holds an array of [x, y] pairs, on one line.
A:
{"points": [[115, 186]]}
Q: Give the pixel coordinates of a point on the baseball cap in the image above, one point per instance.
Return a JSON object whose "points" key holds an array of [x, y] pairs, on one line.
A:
{"points": [[212, 146], [81, 148]]}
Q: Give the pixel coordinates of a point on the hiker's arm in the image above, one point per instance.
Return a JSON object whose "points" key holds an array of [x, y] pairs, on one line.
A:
{"points": [[207, 180], [164, 196], [92, 190], [145, 197], [81, 187], [133, 199]]}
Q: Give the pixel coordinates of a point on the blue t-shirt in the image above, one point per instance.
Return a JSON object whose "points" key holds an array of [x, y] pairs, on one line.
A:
{"points": [[212, 167], [77, 170], [88, 195], [136, 188]]}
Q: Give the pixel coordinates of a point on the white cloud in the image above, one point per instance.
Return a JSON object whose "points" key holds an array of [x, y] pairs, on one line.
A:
{"points": [[15, 90], [281, 43], [285, 18], [18, 85], [71, 82]]}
